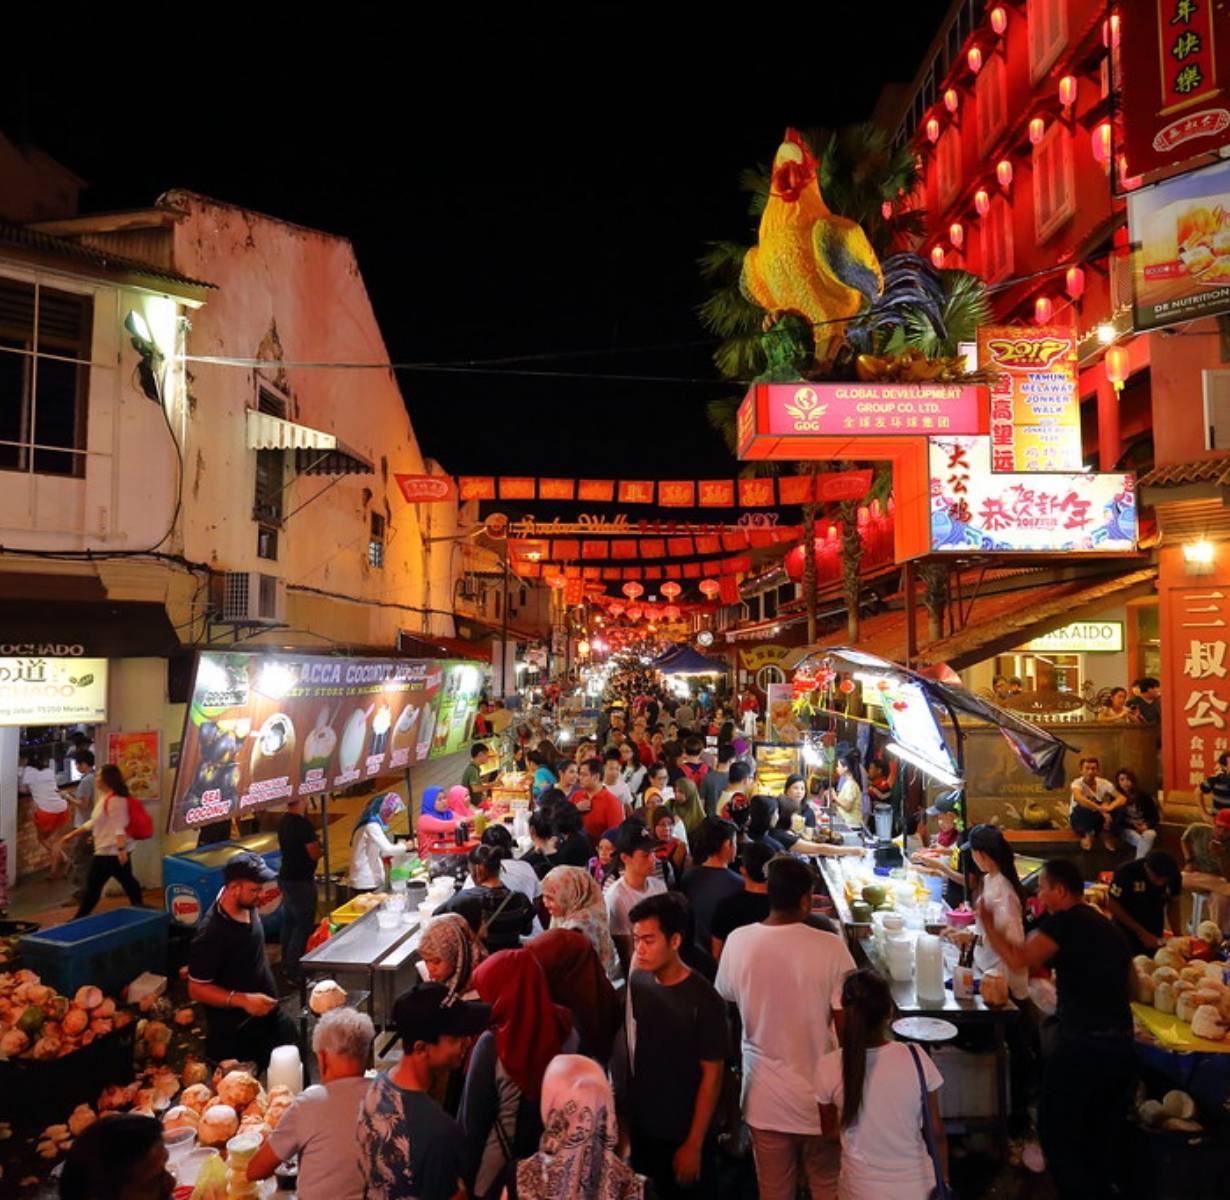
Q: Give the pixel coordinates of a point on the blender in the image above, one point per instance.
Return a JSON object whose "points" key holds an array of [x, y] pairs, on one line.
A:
{"points": [[886, 853]]}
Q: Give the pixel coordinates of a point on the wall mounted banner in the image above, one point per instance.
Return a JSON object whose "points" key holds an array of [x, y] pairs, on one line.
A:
{"points": [[136, 755], [425, 489], [973, 509], [1035, 409], [1172, 81], [263, 727], [1181, 267]]}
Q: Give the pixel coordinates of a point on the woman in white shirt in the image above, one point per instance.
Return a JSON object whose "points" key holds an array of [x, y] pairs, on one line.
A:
{"points": [[370, 845], [633, 772], [871, 1099], [1001, 894], [51, 815], [109, 827]]}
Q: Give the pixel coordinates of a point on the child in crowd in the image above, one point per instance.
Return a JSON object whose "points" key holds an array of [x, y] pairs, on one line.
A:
{"points": [[604, 866]]}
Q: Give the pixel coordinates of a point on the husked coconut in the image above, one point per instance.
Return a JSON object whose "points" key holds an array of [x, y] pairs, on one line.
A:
{"points": [[181, 1117], [197, 1096], [238, 1089], [327, 994], [1164, 998], [218, 1124], [1144, 964], [1207, 1023]]}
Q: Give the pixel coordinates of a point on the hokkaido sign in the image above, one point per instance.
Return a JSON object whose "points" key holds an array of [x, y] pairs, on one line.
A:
{"points": [[1173, 80], [1081, 637], [1035, 410], [425, 489], [53, 691], [975, 510]]}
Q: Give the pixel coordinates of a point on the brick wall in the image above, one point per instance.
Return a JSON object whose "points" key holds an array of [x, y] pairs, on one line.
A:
{"points": [[31, 856]]}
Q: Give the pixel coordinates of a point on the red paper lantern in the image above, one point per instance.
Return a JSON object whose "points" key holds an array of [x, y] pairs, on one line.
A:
{"points": [[1101, 139], [1074, 282], [670, 589], [846, 686], [982, 202], [1110, 32], [634, 612], [933, 129], [709, 587], [1044, 309], [1067, 91], [616, 608], [886, 210], [937, 256], [1003, 173], [974, 58], [671, 612], [956, 233], [1037, 130], [632, 589], [952, 100], [1118, 366], [999, 19]]}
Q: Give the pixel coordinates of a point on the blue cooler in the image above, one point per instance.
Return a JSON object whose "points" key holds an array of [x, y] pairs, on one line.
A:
{"points": [[192, 881], [108, 949]]}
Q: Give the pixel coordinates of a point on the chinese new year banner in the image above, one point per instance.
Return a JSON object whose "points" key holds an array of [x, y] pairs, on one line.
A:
{"points": [[1181, 267], [1172, 79], [1035, 409], [971, 508], [263, 727]]}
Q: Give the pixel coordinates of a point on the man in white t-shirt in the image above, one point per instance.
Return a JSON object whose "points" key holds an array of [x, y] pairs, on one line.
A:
{"points": [[321, 1127], [785, 977], [637, 881], [613, 778], [1093, 802]]}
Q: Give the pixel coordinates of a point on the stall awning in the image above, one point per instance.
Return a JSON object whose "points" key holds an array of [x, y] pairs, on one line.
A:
{"points": [[266, 432], [339, 461], [438, 646], [93, 628], [691, 662]]}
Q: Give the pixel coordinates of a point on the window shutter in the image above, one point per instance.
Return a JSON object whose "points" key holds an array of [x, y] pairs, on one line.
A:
{"points": [[1216, 409], [997, 241], [1048, 34], [949, 167], [990, 97], [1054, 200]]}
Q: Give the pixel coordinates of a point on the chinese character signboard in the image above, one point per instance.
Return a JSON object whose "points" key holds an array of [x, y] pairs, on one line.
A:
{"points": [[1035, 411], [53, 691], [425, 489], [872, 409], [1172, 76], [1181, 265], [974, 509], [263, 727], [1197, 692]]}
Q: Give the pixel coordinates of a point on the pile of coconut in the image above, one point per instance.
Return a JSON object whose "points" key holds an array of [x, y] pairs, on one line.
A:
{"points": [[1195, 991], [35, 1022]]}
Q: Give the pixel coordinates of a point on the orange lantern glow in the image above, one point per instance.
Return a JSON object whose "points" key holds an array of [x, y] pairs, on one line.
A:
{"points": [[671, 612], [982, 202], [1044, 309], [670, 589], [1118, 366], [556, 581], [1110, 32], [1074, 282], [999, 19], [1101, 138], [933, 129], [1003, 173], [937, 256], [1067, 91], [1037, 130], [974, 58], [632, 589], [634, 612], [616, 608], [952, 100], [956, 233], [886, 209], [709, 587], [583, 649]]}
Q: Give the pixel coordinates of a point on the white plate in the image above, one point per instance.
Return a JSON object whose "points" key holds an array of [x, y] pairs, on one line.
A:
{"points": [[925, 1029]]}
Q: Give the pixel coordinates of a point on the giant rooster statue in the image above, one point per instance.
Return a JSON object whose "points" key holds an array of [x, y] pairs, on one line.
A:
{"points": [[808, 260]]}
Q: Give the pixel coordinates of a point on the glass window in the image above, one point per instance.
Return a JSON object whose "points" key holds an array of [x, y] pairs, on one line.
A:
{"points": [[1054, 187], [375, 544]]}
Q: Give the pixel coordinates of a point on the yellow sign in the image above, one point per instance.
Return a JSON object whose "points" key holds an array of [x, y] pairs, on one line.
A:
{"points": [[1035, 409], [762, 656], [53, 691], [1081, 637]]}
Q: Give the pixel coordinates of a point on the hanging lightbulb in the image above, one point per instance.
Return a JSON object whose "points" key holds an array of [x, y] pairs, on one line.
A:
{"points": [[974, 58], [999, 19], [1003, 173], [933, 129], [952, 101], [956, 234], [1074, 282], [982, 202], [1044, 309], [1037, 130]]}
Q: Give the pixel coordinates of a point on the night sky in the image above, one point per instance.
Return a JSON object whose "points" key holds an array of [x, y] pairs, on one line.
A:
{"points": [[510, 189]]}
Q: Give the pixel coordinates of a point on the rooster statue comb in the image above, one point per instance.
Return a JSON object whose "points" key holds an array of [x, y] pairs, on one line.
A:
{"points": [[807, 260]]}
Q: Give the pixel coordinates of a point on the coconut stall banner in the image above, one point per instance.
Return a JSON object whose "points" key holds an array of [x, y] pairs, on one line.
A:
{"points": [[261, 728]]}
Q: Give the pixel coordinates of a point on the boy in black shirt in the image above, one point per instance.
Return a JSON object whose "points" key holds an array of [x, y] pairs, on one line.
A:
{"points": [[748, 906], [1144, 897]]}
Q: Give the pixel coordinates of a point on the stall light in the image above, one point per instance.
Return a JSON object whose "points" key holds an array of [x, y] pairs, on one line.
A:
{"points": [[952, 100], [1106, 333], [933, 129], [583, 649], [1003, 173], [1067, 91], [999, 19], [943, 774], [956, 234], [523, 666], [1074, 282], [1117, 364], [1044, 309], [275, 681], [982, 202], [974, 58], [1200, 552], [937, 256], [1101, 139], [1037, 130]]}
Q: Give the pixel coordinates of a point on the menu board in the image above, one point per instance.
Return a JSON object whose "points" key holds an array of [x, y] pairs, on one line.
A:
{"points": [[1035, 409], [454, 722], [264, 727], [136, 755]]}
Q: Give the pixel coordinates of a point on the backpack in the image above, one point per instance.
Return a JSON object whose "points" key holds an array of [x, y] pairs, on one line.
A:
{"points": [[140, 825], [695, 771]]}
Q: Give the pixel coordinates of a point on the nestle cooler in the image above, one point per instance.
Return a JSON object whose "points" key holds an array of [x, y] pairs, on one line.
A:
{"points": [[192, 880]]}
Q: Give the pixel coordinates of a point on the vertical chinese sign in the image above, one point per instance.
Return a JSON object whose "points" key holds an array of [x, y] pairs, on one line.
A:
{"points": [[1197, 718], [1171, 73], [1035, 409]]}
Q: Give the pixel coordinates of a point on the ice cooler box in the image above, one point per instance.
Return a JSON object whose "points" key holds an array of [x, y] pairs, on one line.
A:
{"points": [[192, 880], [108, 949]]}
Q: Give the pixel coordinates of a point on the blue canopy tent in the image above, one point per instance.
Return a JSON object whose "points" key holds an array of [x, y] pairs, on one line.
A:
{"points": [[689, 661]]}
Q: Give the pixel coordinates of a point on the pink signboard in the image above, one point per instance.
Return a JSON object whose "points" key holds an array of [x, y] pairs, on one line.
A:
{"points": [[869, 409]]}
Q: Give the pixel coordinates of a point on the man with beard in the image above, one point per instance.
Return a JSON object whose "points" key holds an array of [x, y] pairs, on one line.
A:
{"points": [[229, 974]]}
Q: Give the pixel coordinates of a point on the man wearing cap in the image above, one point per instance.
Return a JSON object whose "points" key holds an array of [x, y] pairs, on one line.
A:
{"points": [[229, 974], [1206, 865], [637, 881], [409, 1147]]}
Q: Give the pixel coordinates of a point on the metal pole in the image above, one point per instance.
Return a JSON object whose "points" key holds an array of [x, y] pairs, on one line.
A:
{"points": [[504, 633], [911, 614], [324, 845]]}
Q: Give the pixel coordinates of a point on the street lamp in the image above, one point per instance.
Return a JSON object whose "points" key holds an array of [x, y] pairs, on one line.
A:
{"points": [[150, 366]]}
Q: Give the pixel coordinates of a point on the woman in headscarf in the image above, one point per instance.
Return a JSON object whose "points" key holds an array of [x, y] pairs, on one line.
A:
{"points": [[686, 804], [450, 951], [576, 1157], [370, 844], [575, 901], [671, 850], [438, 815], [577, 980], [499, 1106]]}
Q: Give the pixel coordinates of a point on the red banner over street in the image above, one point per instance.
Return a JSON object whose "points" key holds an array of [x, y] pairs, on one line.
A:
{"points": [[425, 489]]}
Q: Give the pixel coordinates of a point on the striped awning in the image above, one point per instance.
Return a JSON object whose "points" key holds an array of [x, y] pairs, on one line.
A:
{"points": [[266, 432]]}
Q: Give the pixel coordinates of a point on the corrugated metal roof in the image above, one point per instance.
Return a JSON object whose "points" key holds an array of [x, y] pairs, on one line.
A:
{"points": [[47, 243], [1205, 470]]}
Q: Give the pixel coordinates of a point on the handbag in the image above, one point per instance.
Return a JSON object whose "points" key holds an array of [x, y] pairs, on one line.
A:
{"points": [[941, 1190]]}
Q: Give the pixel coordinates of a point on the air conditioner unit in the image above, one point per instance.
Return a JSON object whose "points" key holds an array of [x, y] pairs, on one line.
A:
{"points": [[253, 598]]}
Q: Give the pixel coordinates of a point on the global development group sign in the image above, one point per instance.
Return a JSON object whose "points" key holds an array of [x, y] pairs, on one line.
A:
{"points": [[871, 408]]}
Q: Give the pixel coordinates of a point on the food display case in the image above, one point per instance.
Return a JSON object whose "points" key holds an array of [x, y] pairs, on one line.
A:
{"points": [[193, 879], [774, 762]]}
